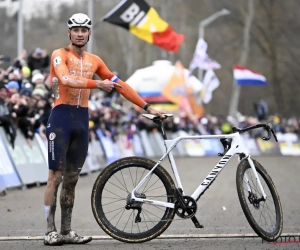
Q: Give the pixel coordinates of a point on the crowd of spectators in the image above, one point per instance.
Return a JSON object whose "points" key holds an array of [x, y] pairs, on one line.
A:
{"points": [[25, 95], [26, 100]]}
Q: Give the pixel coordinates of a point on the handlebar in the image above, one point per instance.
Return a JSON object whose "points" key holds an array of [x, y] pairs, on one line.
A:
{"points": [[267, 127], [227, 142]]}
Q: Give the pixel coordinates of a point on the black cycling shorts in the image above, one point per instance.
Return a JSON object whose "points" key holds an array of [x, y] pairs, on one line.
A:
{"points": [[68, 138]]}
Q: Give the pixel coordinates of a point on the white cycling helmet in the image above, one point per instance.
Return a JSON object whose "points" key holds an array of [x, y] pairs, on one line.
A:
{"points": [[80, 20]]}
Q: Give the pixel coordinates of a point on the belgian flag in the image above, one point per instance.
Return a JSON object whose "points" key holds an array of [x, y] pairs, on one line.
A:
{"points": [[144, 22]]}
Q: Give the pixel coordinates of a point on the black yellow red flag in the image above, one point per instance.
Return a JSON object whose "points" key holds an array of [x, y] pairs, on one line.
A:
{"points": [[143, 21]]}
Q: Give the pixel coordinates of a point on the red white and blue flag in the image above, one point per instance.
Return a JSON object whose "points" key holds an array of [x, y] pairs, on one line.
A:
{"points": [[244, 76]]}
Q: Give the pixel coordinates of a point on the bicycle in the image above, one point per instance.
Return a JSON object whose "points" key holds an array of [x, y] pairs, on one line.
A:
{"points": [[128, 188]]}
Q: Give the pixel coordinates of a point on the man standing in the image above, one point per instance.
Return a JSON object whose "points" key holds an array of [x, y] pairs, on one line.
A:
{"points": [[71, 73]]}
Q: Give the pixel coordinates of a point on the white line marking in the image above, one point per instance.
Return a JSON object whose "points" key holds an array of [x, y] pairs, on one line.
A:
{"points": [[167, 236]]}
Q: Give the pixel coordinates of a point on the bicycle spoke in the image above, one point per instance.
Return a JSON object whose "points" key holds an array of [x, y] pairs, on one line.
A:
{"points": [[114, 194], [112, 202], [120, 183], [155, 188], [117, 214], [112, 198], [114, 210], [135, 177], [120, 217], [151, 186], [159, 207], [269, 211], [131, 177], [127, 221], [148, 216], [124, 180], [132, 221], [148, 180], [141, 177], [145, 220], [138, 227], [118, 186], [151, 213]]}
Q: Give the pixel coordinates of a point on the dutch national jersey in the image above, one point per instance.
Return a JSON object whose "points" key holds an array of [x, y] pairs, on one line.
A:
{"points": [[71, 77]]}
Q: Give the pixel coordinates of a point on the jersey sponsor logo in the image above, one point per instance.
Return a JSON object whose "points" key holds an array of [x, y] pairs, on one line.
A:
{"points": [[71, 80], [87, 64], [51, 149], [54, 79], [52, 136], [57, 61], [86, 74], [75, 61]]}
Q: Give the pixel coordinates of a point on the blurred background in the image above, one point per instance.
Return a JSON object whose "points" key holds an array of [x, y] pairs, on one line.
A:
{"points": [[273, 42]]}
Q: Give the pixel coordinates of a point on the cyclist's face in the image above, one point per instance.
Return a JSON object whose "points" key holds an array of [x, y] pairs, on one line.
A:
{"points": [[79, 35]]}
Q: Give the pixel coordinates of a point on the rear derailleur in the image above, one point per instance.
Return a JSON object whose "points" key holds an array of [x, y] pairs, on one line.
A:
{"points": [[132, 204]]}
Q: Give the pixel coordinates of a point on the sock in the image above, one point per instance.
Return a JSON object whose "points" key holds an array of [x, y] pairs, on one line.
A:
{"points": [[47, 208]]}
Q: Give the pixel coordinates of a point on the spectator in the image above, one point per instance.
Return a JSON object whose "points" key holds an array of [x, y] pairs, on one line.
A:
{"points": [[19, 111], [261, 110], [13, 87], [5, 117], [38, 79], [38, 59], [3, 79]]}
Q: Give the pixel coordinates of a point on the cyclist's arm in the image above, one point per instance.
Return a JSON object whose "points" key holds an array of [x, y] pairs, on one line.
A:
{"points": [[104, 73], [58, 62]]}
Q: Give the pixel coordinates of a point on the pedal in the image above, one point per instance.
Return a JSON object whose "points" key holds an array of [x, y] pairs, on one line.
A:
{"points": [[196, 222]]}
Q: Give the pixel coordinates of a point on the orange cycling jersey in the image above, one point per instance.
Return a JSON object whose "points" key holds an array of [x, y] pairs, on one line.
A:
{"points": [[71, 77]]}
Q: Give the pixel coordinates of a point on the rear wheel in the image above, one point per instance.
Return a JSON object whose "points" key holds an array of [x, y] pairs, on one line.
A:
{"points": [[128, 221], [264, 216]]}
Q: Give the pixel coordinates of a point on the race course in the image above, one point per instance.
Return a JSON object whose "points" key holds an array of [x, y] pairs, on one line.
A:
{"points": [[225, 226]]}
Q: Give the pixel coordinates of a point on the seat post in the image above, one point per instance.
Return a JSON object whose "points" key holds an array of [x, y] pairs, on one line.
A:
{"points": [[161, 125]]}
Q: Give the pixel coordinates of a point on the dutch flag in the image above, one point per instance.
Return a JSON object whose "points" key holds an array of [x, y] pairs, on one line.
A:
{"points": [[244, 76]]}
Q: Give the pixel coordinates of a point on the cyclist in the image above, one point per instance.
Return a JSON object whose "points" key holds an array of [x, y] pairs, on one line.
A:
{"points": [[71, 73]]}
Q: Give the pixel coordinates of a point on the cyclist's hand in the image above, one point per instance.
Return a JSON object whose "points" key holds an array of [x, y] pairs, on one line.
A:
{"points": [[107, 85], [153, 111]]}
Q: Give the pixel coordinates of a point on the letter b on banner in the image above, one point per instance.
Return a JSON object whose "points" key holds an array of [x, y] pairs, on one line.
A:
{"points": [[133, 14]]}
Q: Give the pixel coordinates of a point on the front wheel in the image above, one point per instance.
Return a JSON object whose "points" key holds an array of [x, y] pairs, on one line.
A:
{"points": [[126, 220], [263, 215]]}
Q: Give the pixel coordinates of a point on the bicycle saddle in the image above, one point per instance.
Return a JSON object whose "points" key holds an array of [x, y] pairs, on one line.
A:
{"points": [[152, 117]]}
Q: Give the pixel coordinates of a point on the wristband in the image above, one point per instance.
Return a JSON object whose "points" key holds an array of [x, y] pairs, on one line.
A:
{"points": [[146, 106], [91, 84]]}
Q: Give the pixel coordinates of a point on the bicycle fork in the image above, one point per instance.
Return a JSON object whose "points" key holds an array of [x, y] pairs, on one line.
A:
{"points": [[256, 177]]}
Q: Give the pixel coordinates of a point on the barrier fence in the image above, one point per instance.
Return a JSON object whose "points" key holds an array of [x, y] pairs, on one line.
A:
{"points": [[23, 166]]}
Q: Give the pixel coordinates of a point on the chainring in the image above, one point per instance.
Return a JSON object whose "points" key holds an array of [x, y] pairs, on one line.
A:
{"points": [[189, 210]]}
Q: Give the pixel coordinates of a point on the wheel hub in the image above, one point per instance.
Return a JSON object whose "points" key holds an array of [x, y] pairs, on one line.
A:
{"points": [[254, 200], [131, 203]]}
